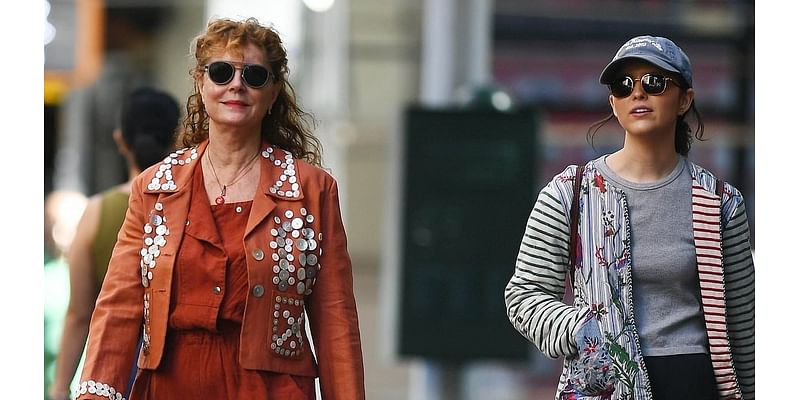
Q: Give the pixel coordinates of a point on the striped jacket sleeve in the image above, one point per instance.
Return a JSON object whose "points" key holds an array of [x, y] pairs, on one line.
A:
{"points": [[534, 293], [740, 291]]}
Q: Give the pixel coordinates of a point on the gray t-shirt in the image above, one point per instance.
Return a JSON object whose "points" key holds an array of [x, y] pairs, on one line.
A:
{"points": [[666, 289]]}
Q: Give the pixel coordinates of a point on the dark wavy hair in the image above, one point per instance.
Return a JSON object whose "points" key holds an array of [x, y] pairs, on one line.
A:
{"points": [[148, 120], [287, 125], [684, 133]]}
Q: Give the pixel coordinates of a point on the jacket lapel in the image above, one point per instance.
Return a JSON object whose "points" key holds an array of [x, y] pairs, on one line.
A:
{"points": [[262, 201], [172, 185], [279, 180]]}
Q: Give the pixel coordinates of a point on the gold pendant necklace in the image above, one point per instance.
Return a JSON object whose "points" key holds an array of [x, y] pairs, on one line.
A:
{"points": [[223, 188]]}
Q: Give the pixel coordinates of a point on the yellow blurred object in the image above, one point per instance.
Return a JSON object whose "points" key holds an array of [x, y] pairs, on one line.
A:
{"points": [[55, 88]]}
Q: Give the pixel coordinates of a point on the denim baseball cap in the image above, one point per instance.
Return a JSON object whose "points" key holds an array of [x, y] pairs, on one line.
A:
{"points": [[656, 50]]}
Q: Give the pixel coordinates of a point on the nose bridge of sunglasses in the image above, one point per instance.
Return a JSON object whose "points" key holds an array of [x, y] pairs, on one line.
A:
{"points": [[641, 87], [238, 72]]}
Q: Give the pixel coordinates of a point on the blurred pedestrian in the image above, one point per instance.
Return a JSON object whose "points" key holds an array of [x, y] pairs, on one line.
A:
{"points": [[236, 240], [145, 135], [662, 270]]}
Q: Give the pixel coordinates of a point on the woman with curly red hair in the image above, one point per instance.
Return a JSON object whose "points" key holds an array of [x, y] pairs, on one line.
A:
{"points": [[230, 246]]}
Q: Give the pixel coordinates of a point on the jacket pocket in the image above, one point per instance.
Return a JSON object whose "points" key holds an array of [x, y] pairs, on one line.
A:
{"points": [[590, 372], [288, 325]]}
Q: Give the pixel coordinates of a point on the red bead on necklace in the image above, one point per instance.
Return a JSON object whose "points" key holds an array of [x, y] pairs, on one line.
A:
{"points": [[221, 198]]}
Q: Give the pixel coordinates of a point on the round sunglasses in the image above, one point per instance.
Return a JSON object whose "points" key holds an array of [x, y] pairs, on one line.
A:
{"points": [[652, 84], [254, 75]]}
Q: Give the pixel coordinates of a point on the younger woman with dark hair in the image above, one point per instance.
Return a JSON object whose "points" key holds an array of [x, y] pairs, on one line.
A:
{"points": [[662, 271]]}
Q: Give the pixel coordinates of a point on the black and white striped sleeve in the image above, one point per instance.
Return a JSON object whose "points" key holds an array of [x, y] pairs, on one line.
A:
{"points": [[740, 293], [534, 293]]}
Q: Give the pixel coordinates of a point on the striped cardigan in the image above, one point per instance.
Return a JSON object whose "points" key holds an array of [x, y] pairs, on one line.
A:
{"points": [[597, 333]]}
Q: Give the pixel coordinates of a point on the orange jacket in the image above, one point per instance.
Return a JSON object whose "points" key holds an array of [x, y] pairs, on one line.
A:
{"points": [[294, 200]]}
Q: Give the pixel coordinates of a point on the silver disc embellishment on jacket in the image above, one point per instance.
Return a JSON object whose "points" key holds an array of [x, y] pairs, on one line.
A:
{"points": [[162, 178], [286, 164], [292, 241], [153, 240], [288, 325], [99, 389]]}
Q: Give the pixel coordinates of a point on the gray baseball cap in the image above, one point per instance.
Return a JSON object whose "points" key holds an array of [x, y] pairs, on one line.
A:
{"points": [[656, 50]]}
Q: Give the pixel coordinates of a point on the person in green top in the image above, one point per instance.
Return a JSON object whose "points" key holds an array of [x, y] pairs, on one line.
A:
{"points": [[145, 135]]}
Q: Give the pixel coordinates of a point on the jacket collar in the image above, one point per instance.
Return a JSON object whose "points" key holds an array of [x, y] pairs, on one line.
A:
{"points": [[175, 171], [280, 178], [279, 172]]}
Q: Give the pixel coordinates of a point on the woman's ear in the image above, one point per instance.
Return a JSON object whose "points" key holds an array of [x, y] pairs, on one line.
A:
{"points": [[611, 102], [275, 94], [687, 97]]}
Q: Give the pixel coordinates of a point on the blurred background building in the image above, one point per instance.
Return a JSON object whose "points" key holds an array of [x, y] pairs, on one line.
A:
{"points": [[381, 77]]}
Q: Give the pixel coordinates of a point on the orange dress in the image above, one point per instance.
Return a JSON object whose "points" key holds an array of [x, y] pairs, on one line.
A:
{"points": [[209, 291]]}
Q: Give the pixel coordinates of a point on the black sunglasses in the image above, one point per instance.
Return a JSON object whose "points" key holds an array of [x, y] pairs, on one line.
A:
{"points": [[651, 83], [254, 75]]}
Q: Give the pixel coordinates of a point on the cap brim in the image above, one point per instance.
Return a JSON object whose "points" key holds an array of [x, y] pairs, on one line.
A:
{"points": [[609, 71]]}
